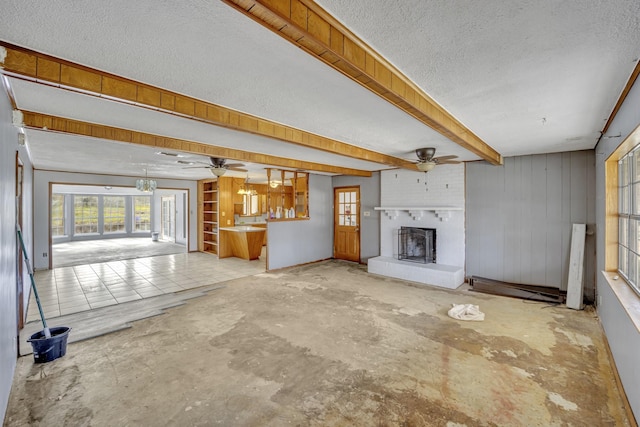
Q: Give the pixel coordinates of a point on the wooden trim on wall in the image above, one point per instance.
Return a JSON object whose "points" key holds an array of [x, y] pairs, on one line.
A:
{"points": [[309, 27], [623, 96], [44, 69], [76, 127]]}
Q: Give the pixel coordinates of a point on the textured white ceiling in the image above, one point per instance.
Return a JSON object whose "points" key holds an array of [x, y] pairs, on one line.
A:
{"points": [[58, 102], [527, 77]]}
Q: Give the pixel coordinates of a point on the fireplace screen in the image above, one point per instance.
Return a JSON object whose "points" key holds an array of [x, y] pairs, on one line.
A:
{"points": [[417, 244]]}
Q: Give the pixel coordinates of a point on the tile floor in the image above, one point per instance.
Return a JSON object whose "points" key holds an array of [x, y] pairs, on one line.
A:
{"points": [[67, 290], [93, 251]]}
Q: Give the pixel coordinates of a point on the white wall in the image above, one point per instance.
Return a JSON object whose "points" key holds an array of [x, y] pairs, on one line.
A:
{"points": [[42, 179], [623, 336], [27, 222], [298, 242], [443, 186], [520, 216], [8, 306]]}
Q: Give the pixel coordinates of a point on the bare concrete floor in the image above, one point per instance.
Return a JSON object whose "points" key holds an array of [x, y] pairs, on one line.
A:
{"points": [[328, 344]]}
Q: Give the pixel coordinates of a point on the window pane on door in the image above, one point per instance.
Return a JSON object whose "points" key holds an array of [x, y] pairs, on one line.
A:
{"points": [[142, 213], [347, 208], [114, 214], [85, 209]]}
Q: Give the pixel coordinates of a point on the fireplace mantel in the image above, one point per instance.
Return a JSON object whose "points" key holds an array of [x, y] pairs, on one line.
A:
{"points": [[417, 212]]}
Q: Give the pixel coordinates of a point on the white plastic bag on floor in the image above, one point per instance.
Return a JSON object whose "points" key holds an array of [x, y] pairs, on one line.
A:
{"points": [[466, 312]]}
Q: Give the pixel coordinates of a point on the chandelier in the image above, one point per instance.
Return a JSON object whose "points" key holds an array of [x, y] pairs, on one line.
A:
{"points": [[247, 189], [145, 184]]}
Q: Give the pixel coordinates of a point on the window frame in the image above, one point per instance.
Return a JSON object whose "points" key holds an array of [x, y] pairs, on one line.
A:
{"points": [[91, 225], [107, 214], [62, 220], [135, 222], [628, 218]]}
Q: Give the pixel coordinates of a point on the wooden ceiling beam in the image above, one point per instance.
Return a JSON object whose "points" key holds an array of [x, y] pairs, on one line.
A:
{"points": [[75, 127], [40, 68], [305, 24]]}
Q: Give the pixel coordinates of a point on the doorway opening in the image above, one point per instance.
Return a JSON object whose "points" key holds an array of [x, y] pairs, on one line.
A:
{"points": [[90, 223]]}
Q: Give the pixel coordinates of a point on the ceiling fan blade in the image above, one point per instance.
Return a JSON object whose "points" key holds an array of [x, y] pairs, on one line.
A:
{"points": [[198, 167], [441, 158], [448, 162], [234, 165], [193, 162]]}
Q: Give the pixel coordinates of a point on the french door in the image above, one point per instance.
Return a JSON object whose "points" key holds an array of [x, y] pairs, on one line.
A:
{"points": [[168, 214]]}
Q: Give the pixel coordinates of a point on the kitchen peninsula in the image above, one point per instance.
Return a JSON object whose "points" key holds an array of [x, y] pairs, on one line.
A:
{"points": [[244, 241]]}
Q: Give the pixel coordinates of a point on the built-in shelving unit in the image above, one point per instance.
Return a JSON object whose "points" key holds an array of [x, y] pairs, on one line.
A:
{"points": [[208, 216]]}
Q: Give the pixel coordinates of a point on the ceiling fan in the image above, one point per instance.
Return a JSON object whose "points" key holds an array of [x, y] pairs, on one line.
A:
{"points": [[427, 161], [217, 166]]}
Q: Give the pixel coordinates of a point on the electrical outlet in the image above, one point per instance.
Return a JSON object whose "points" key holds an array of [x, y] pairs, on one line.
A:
{"points": [[228, 222], [44, 254], [224, 213], [366, 213]]}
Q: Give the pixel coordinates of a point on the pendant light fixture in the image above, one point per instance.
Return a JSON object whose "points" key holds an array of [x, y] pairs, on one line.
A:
{"points": [[145, 184]]}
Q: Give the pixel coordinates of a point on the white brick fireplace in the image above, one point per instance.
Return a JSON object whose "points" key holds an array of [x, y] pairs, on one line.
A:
{"points": [[432, 200]]}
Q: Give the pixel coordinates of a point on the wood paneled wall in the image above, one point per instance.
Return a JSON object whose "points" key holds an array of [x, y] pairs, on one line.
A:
{"points": [[519, 217]]}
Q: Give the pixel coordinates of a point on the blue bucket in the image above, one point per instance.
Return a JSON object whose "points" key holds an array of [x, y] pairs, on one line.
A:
{"points": [[48, 349]]}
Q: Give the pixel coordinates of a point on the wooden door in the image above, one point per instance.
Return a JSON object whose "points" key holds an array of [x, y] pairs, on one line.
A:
{"points": [[346, 223]]}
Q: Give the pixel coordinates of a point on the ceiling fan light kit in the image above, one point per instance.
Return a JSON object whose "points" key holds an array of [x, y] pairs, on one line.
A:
{"points": [[426, 166], [217, 166], [218, 171], [427, 161]]}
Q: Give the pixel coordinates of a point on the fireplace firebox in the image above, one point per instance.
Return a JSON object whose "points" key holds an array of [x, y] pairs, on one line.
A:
{"points": [[417, 244]]}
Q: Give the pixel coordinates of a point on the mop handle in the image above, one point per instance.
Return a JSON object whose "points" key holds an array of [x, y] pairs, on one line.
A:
{"points": [[33, 283]]}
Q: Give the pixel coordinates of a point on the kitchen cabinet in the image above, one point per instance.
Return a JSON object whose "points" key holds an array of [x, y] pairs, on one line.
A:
{"points": [[286, 190]]}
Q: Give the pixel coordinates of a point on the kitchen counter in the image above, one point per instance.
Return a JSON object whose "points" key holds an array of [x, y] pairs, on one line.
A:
{"points": [[240, 228], [242, 241]]}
